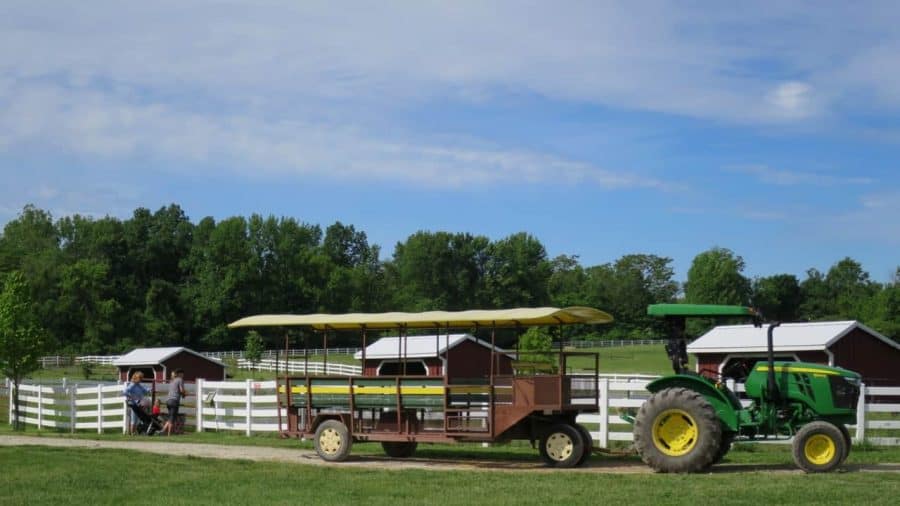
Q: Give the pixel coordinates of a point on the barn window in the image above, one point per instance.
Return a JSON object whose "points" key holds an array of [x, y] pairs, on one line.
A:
{"points": [[396, 369]]}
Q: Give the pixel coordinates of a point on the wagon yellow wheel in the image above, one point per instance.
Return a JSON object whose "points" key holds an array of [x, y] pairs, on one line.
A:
{"points": [[562, 446], [819, 447], [677, 431], [333, 441]]}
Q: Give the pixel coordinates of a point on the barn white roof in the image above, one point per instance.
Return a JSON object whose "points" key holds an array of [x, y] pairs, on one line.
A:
{"points": [[144, 356], [416, 346], [787, 337]]}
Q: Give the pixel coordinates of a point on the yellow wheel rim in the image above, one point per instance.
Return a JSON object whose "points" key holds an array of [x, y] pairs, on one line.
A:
{"points": [[819, 449], [330, 442], [559, 446], [675, 432]]}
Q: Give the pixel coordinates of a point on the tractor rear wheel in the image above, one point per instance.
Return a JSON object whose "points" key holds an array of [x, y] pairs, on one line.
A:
{"points": [[588, 443], [724, 447], [399, 449], [677, 431], [333, 441], [561, 446], [819, 447]]}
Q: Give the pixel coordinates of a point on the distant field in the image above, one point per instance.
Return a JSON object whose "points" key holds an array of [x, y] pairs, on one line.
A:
{"points": [[81, 476], [644, 359]]}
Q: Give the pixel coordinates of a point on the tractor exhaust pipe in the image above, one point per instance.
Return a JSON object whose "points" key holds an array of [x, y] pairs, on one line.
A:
{"points": [[770, 351]]}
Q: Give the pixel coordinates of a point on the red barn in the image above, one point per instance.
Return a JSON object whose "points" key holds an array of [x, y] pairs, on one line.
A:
{"points": [[158, 364], [468, 358], [847, 344]]}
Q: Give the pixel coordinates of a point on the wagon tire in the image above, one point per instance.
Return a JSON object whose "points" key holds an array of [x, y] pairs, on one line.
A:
{"points": [[399, 449], [333, 441], [677, 431], [587, 442], [561, 446], [819, 447]]}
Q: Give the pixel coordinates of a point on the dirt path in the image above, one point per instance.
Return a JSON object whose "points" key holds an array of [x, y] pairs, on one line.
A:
{"points": [[308, 457]]}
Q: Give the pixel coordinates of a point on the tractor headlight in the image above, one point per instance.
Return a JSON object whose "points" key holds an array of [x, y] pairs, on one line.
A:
{"points": [[853, 380]]}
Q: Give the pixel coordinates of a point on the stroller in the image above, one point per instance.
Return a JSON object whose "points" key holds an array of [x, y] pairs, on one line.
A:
{"points": [[147, 424]]}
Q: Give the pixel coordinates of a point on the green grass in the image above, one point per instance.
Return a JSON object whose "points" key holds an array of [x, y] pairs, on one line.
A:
{"points": [[743, 453], [643, 359], [35, 475]]}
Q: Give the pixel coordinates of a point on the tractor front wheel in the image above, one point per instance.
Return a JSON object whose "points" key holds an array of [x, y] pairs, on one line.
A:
{"points": [[562, 446], [399, 450], [819, 447], [847, 440], [333, 441], [677, 431]]}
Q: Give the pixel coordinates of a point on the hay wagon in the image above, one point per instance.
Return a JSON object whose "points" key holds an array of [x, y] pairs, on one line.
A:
{"points": [[514, 396]]}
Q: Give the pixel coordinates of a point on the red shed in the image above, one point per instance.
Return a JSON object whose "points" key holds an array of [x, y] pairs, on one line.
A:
{"points": [[847, 344], [158, 363], [469, 357]]}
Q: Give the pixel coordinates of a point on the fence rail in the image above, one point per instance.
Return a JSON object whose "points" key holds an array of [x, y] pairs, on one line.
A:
{"points": [[294, 366], [68, 360], [251, 406], [614, 343]]}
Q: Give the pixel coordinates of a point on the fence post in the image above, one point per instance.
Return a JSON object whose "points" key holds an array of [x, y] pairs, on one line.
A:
{"points": [[72, 395], [198, 404], [12, 387], [861, 415], [249, 404], [125, 414], [603, 402], [99, 408], [40, 406]]}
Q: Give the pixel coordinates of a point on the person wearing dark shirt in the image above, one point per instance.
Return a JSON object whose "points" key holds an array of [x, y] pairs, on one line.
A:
{"points": [[173, 401]]}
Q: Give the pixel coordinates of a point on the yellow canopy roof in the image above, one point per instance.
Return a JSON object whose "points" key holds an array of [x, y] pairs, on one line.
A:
{"points": [[523, 317]]}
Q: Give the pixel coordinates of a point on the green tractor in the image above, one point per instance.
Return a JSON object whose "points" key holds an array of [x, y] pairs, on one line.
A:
{"points": [[690, 421]]}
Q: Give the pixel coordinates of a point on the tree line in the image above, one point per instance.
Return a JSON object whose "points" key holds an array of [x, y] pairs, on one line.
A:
{"points": [[105, 285]]}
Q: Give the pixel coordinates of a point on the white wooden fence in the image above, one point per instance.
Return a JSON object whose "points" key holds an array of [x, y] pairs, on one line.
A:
{"points": [[250, 406], [299, 367], [80, 406]]}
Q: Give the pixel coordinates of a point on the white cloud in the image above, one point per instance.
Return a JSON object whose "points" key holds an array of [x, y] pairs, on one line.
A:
{"points": [[792, 98], [649, 56], [876, 219], [782, 177], [98, 125]]}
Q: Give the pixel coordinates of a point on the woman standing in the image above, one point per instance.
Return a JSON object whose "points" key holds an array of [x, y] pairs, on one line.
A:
{"points": [[173, 401], [134, 394]]}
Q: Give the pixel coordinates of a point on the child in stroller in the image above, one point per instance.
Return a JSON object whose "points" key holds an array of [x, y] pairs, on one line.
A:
{"points": [[147, 424], [135, 395]]}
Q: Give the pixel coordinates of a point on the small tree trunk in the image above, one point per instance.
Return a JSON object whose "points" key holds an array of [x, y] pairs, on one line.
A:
{"points": [[16, 424]]}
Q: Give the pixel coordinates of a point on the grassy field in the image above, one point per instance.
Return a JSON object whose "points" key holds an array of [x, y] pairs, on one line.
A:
{"points": [[76, 476], [643, 359]]}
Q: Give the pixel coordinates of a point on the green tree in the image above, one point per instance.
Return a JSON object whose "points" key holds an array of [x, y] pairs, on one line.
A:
{"points": [[536, 345], [779, 297], [21, 336], [254, 346], [517, 272], [438, 270], [715, 278]]}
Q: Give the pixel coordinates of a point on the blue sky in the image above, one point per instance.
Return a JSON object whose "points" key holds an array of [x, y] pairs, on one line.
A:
{"points": [[603, 128]]}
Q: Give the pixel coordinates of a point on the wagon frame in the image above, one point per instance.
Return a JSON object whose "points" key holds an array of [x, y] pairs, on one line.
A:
{"points": [[537, 400]]}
